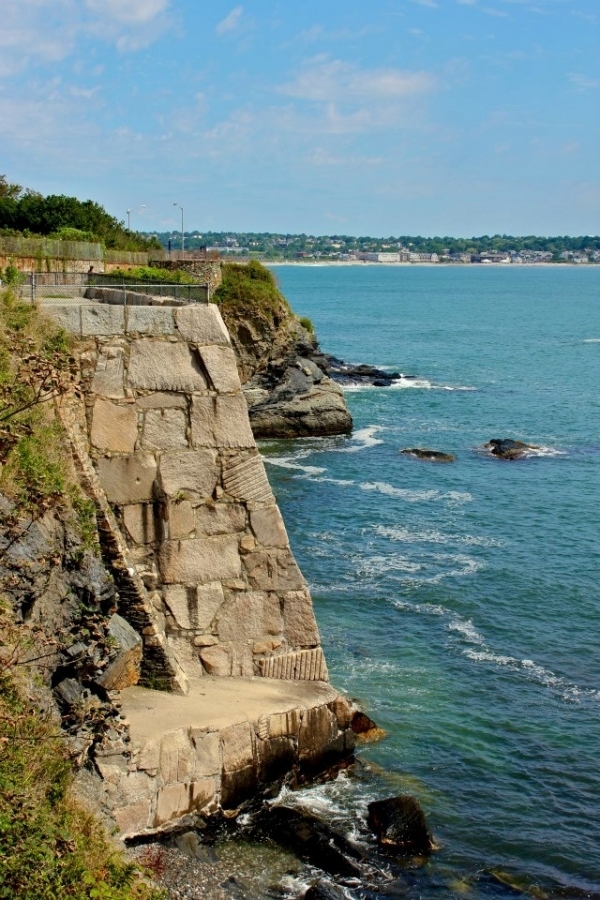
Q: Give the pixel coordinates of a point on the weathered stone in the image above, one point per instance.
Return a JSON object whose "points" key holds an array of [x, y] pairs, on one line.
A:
{"points": [[317, 729], [273, 571], [114, 426], [248, 616], [101, 320], [164, 429], [247, 543], [176, 599], [149, 320], [181, 519], [173, 801], [149, 758], [124, 670], [216, 660], [343, 712], [203, 795], [237, 747], [201, 325], [268, 527], [285, 724], [208, 752], [194, 473], [205, 640], [203, 418], [139, 520], [300, 627], [232, 425], [135, 786], [109, 377], [132, 819], [200, 560], [66, 317], [185, 653], [221, 366], [220, 518], [246, 479], [128, 480], [164, 366], [266, 646], [238, 786], [177, 757], [209, 598], [275, 757], [161, 400]]}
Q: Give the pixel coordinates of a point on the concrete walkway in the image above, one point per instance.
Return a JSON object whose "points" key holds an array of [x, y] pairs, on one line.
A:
{"points": [[216, 703]]}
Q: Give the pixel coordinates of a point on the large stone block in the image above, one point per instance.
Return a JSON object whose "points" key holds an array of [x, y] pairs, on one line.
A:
{"points": [[172, 802], [208, 752], [149, 320], [109, 377], [246, 479], [149, 758], [317, 729], [66, 317], [200, 560], [161, 400], [189, 474], [132, 819], [164, 366], [217, 660], [140, 523], [209, 598], [128, 479], [181, 519], [177, 757], [300, 627], [247, 616], [220, 363], [285, 724], [201, 325], [114, 426], [102, 320], [273, 571], [232, 425], [203, 420], [220, 518], [238, 749], [194, 608], [267, 525], [164, 429], [176, 599]]}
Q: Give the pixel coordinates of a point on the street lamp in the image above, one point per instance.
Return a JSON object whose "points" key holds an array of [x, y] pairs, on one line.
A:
{"points": [[182, 238], [129, 211]]}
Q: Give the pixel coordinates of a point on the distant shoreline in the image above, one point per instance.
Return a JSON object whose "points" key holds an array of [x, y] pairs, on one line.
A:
{"points": [[359, 262]]}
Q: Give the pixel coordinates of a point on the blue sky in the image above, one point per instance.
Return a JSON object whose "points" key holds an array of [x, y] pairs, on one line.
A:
{"points": [[458, 117]]}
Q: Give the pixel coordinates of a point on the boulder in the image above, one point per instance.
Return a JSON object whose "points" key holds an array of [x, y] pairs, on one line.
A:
{"points": [[124, 670], [504, 448], [400, 826], [429, 455], [325, 890]]}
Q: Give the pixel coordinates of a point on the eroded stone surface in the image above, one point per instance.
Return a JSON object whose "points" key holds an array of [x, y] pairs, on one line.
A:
{"points": [[200, 560], [189, 474], [164, 429], [109, 376], [164, 366], [221, 366], [267, 525], [114, 426], [139, 520], [220, 518], [201, 325], [181, 519], [300, 626], [128, 479], [248, 616]]}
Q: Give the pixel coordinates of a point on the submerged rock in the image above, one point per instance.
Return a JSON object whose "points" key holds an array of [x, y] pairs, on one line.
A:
{"points": [[325, 890], [504, 448], [429, 455], [400, 826]]}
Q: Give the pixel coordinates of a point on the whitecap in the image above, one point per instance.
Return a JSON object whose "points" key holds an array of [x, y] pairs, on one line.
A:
{"points": [[363, 439], [591, 341], [466, 628], [287, 462], [412, 496], [432, 536]]}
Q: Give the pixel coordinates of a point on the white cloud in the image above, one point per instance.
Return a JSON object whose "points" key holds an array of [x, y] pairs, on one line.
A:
{"points": [[584, 82], [325, 81], [231, 21], [429, 3], [128, 11]]}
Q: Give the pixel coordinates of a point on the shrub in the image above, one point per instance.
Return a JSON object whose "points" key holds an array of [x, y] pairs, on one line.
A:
{"points": [[307, 324], [250, 286], [143, 274]]}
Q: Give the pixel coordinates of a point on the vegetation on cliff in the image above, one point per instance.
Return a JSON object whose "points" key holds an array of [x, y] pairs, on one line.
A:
{"points": [[24, 211], [50, 847]]}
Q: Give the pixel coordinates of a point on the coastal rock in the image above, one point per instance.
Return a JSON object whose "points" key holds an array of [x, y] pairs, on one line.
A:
{"points": [[429, 455], [400, 826], [504, 448]]}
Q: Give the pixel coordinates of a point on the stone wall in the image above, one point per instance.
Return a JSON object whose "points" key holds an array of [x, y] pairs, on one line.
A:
{"points": [[208, 271], [169, 436]]}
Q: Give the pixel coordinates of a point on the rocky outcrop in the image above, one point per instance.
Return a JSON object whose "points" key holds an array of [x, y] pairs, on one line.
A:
{"points": [[429, 455], [504, 448], [400, 826]]}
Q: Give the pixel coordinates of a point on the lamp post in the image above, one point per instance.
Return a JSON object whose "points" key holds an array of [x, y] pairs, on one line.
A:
{"points": [[182, 238], [129, 211]]}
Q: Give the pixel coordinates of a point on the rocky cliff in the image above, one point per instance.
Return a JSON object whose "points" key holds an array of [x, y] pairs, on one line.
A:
{"points": [[288, 393]]}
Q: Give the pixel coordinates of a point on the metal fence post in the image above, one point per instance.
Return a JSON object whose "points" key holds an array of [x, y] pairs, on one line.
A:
{"points": [[32, 288]]}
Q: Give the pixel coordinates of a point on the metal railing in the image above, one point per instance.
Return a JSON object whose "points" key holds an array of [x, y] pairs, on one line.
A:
{"points": [[59, 288]]}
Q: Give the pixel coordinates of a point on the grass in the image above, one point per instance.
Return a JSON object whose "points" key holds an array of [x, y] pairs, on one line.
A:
{"points": [[151, 275], [250, 288]]}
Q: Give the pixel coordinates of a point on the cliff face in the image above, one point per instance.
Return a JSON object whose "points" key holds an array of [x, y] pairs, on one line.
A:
{"points": [[288, 393]]}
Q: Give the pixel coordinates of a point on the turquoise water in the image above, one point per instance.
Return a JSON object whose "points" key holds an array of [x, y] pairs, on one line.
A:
{"points": [[461, 603]]}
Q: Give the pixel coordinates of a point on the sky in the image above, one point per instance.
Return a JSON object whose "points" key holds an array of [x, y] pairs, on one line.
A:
{"points": [[432, 117]]}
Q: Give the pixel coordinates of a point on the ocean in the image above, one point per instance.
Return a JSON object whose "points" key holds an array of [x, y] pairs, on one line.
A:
{"points": [[460, 602]]}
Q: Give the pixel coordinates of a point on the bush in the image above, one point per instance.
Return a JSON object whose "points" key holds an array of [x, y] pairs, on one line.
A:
{"points": [[151, 275], [250, 286], [307, 324]]}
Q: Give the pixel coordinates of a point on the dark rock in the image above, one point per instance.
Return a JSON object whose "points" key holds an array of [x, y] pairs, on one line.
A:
{"points": [[361, 723], [71, 692], [504, 448], [429, 455], [400, 826], [324, 890], [312, 840]]}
